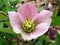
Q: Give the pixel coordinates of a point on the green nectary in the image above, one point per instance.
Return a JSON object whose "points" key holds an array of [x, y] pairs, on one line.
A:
{"points": [[28, 26]]}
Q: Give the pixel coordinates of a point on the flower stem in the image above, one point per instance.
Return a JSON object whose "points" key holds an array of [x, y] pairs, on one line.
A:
{"points": [[29, 43], [23, 42], [18, 41]]}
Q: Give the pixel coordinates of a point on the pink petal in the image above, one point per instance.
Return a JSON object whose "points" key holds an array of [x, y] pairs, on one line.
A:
{"points": [[20, 17], [26, 36], [43, 15], [15, 21], [41, 29], [27, 10]]}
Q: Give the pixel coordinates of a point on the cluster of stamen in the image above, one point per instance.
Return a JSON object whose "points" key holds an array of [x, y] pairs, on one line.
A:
{"points": [[28, 26]]}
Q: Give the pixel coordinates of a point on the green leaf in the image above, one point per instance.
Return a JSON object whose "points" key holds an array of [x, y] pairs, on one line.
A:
{"points": [[52, 44], [1, 25], [38, 42], [41, 40], [1, 4], [8, 33], [40, 8], [55, 12], [6, 2], [56, 21], [2, 17], [3, 41], [7, 23], [5, 9], [12, 0], [15, 1], [57, 39], [12, 9], [14, 42], [58, 2]]}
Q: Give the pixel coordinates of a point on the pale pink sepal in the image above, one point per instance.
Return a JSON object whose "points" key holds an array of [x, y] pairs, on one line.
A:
{"points": [[15, 21], [41, 28], [27, 10], [43, 15]]}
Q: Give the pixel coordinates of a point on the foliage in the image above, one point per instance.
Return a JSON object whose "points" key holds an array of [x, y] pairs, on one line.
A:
{"points": [[8, 37]]}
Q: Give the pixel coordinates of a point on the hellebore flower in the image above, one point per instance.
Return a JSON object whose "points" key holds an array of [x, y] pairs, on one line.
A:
{"points": [[28, 22]]}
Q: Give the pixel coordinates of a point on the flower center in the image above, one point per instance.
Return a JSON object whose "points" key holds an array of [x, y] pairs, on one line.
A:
{"points": [[28, 26]]}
